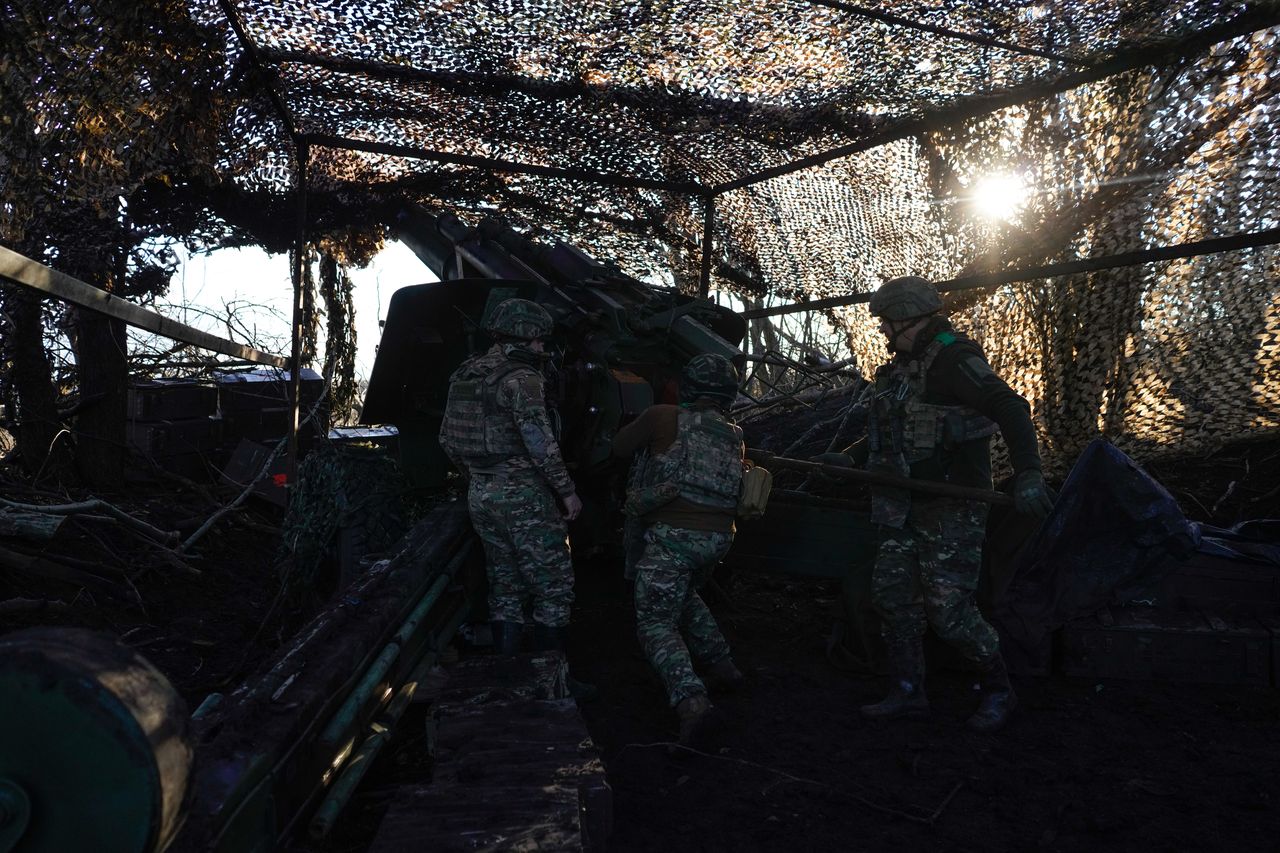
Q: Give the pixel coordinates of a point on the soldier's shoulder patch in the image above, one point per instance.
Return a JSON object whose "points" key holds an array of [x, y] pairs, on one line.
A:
{"points": [[528, 381], [975, 367]]}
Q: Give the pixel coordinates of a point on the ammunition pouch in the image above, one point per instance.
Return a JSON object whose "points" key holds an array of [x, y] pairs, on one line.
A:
{"points": [[757, 482]]}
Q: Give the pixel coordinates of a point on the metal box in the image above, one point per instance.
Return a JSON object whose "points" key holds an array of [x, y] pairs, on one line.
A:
{"points": [[172, 400], [1147, 643]]}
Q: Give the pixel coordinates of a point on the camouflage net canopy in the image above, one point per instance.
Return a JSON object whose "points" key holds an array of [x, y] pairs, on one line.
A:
{"points": [[830, 145]]}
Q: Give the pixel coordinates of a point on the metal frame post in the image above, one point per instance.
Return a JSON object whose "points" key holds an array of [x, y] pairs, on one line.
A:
{"points": [[708, 223], [295, 355]]}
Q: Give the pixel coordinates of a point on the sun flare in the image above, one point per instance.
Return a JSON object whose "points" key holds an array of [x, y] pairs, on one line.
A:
{"points": [[1000, 196]]}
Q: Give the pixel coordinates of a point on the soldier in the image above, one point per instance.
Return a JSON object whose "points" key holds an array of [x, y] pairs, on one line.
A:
{"points": [[496, 431], [686, 501], [934, 408]]}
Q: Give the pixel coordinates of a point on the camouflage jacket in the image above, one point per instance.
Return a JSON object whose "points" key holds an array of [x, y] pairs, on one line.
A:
{"points": [[496, 419]]}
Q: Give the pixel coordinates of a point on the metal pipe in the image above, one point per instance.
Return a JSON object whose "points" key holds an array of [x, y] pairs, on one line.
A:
{"points": [[299, 267], [708, 224], [352, 775], [1259, 17], [344, 718], [923, 26], [1191, 249], [877, 478], [494, 164]]}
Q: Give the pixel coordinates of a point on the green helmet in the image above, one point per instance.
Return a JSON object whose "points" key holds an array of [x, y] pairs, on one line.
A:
{"points": [[905, 298], [520, 318], [710, 375]]}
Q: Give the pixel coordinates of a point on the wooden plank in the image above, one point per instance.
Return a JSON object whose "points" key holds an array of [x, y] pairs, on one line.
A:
{"points": [[511, 772], [22, 270]]}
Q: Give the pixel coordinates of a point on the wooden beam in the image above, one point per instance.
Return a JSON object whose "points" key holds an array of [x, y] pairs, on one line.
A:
{"points": [[20, 269]]}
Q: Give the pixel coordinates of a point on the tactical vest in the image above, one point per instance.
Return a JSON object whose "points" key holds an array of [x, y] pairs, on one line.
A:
{"points": [[477, 428], [705, 460], [903, 429]]}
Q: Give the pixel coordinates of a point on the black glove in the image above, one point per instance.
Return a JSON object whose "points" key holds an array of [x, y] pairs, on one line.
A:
{"points": [[1030, 495], [840, 460]]}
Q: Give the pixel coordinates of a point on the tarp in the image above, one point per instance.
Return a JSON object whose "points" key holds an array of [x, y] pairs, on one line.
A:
{"points": [[1112, 533]]}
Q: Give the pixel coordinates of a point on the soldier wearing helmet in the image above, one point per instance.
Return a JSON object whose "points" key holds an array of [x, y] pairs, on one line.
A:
{"points": [[933, 411], [496, 431], [685, 499]]}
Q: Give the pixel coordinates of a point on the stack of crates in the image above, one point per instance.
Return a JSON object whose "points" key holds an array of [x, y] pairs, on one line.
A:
{"points": [[254, 405], [175, 424]]}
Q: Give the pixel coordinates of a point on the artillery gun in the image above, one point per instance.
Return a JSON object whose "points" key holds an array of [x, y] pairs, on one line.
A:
{"points": [[618, 345], [291, 742]]}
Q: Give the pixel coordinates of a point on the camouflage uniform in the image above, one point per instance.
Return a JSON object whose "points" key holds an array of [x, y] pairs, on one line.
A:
{"points": [[930, 553], [496, 429], [933, 411], [699, 475], [677, 562], [926, 572]]}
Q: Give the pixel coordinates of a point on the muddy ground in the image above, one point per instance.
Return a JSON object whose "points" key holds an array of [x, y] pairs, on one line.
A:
{"points": [[790, 766], [1085, 765]]}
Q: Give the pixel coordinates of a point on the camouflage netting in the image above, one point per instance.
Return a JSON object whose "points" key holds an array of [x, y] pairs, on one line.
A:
{"points": [[609, 124]]}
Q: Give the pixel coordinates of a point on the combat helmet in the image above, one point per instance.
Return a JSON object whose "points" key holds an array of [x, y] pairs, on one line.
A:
{"points": [[905, 298], [520, 319], [710, 375]]}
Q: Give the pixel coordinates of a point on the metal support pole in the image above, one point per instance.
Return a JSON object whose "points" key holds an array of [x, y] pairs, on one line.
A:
{"points": [[708, 222], [976, 281], [295, 357]]}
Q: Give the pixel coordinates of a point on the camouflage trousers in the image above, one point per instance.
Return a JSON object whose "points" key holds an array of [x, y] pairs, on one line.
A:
{"points": [[926, 574], [676, 563], [526, 547]]}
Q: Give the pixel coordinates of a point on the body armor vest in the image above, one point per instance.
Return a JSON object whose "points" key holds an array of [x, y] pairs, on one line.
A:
{"points": [[903, 429], [705, 461], [477, 429]]}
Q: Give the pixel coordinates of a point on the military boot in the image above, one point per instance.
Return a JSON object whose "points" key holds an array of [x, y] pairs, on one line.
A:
{"points": [[998, 699], [724, 677], [906, 689], [506, 638], [548, 638], [692, 712]]}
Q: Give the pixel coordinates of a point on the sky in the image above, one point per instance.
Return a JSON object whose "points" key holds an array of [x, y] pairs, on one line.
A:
{"points": [[257, 286], [258, 289]]}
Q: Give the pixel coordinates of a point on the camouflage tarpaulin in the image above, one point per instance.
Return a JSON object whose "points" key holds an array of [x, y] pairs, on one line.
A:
{"points": [[347, 505], [839, 144]]}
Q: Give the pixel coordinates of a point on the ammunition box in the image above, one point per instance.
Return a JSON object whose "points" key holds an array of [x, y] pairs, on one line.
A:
{"points": [[172, 400]]}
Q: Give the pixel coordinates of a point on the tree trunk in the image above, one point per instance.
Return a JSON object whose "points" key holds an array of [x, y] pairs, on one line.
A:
{"points": [[37, 413], [102, 362], [104, 375]]}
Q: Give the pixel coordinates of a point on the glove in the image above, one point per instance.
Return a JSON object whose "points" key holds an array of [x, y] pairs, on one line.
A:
{"points": [[1030, 495], [840, 460]]}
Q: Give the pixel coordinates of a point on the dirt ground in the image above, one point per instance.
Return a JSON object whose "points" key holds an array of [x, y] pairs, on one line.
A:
{"points": [[1085, 765], [790, 765]]}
